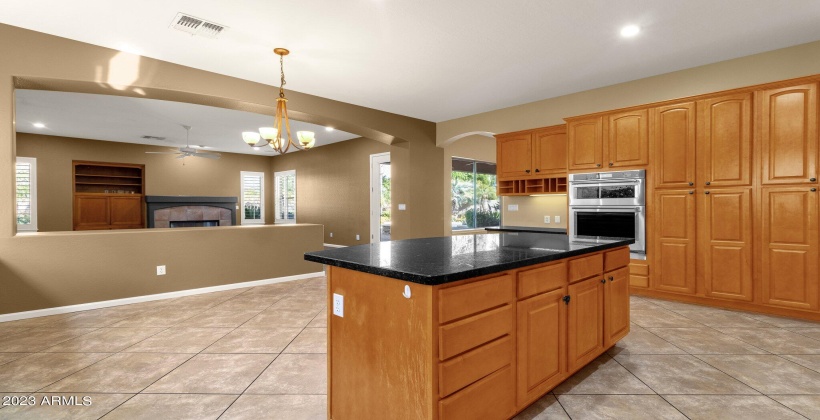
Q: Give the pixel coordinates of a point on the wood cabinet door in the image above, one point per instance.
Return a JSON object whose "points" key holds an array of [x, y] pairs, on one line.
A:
{"points": [[514, 155], [90, 212], [673, 136], [542, 322], [549, 151], [725, 141], [126, 212], [585, 142], [788, 135], [725, 242], [616, 306], [585, 322], [675, 247], [789, 260], [628, 139]]}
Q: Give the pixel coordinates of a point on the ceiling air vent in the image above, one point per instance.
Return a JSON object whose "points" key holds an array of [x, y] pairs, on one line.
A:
{"points": [[196, 26], [147, 137]]}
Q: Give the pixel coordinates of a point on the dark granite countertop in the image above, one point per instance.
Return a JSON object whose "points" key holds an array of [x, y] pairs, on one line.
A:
{"points": [[433, 261], [560, 231]]}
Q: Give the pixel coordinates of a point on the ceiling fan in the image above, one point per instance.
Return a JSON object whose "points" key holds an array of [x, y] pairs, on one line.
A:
{"points": [[188, 151]]}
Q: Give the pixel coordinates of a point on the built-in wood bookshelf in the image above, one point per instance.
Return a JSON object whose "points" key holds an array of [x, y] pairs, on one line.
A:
{"points": [[108, 195]]}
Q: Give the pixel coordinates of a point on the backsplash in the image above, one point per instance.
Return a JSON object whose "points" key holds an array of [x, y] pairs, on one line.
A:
{"points": [[532, 209]]}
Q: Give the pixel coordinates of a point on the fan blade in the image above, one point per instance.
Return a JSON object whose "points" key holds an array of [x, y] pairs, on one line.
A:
{"points": [[207, 155], [163, 153]]}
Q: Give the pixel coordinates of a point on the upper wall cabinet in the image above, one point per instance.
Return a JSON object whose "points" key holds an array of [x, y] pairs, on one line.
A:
{"points": [[585, 144], [533, 153], [628, 139], [550, 150], [725, 141], [788, 135], [514, 155], [673, 131], [613, 141]]}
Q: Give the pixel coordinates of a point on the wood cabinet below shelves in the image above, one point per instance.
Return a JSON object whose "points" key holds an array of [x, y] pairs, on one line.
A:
{"points": [[108, 196]]}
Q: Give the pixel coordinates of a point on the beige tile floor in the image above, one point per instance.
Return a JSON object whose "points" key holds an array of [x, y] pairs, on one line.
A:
{"points": [[259, 353]]}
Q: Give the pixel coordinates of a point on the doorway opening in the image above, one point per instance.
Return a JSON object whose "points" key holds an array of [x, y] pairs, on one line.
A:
{"points": [[380, 207]]}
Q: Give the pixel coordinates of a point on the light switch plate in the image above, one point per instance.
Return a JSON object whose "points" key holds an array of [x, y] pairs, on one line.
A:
{"points": [[160, 270], [547, 219], [512, 207], [338, 305], [557, 219]]}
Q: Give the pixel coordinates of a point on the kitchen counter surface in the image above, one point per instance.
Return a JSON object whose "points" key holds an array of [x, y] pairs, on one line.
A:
{"points": [[559, 231], [434, 261]]}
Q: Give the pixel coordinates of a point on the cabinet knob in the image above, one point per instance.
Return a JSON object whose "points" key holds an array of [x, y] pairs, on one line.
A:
{"points": [[813, 189], [566, 299], [611, 278], [708, 183], [537, 170], [598, 165], [527, 171], [610, 163], [707, 192], [603, 281], [813, 179], [691, 192], [691, 184]]}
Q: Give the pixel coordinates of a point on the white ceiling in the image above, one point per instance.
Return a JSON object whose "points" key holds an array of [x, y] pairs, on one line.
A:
{"points": [[125, 119], [435, 59]]}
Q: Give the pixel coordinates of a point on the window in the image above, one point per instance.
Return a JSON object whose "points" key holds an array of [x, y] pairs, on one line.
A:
{"points": [[253, 198], [285, 196], [474, 198], [26, 203]]}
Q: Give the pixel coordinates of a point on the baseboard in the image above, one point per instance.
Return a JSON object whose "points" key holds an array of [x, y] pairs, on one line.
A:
{"points": [[147, 298], [334, 246]]}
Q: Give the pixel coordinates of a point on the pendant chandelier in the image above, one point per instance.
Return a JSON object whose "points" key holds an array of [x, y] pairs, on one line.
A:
{"points": [[275, 137]]}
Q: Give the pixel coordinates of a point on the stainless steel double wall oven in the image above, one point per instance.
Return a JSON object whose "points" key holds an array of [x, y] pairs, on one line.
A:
{"points": [[609, 204]]}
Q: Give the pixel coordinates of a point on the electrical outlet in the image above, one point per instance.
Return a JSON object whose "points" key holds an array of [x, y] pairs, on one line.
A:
{"points": [[512, 207], [160, 270], [557, 219], [338, 305], [331, 234], [402, 206], [358, 238], [547, 219]]}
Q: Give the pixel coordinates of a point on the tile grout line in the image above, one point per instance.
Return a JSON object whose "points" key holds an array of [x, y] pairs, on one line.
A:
{"points": [[647, 385]]}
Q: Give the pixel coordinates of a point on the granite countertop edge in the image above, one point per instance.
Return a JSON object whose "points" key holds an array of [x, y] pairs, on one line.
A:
{"points": [[560, 231], [435, 280]]}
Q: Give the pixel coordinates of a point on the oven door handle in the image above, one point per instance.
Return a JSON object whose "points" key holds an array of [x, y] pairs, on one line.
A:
{"points": [[608, 181]]}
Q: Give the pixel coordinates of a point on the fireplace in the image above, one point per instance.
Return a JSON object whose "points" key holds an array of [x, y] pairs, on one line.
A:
{"points": [[187, 211]]}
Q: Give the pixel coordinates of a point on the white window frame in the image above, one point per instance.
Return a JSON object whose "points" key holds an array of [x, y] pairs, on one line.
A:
{"points": [[276, 176], [31, 227], [261, 176]]}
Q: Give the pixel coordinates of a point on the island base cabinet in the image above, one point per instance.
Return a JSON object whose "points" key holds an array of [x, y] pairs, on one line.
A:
{"points": [[542, 324], [585, 329], [490, 398], [616, 306]]}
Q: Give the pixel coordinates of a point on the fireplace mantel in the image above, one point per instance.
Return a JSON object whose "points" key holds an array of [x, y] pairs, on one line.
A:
{"points": [[158, 202]]}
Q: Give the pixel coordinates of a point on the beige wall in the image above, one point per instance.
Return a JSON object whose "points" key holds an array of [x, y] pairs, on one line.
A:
{"points": [[333, 187], [471, 147], [797, 61], [531, 211], [164, 175], [52, 269]]}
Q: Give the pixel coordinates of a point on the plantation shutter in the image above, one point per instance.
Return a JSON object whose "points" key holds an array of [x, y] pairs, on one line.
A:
{"points": [[253, 197]]}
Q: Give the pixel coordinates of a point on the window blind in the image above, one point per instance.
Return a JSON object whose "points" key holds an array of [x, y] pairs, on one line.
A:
{"points": [[24, 193], [252, 196]]}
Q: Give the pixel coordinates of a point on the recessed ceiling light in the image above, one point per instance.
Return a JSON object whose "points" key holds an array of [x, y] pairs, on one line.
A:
{"points": [[329, 128], [629, 31], [39, 125], [128, 48]]}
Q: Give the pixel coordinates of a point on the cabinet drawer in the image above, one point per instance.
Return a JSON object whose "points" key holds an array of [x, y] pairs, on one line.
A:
{"points": [[582, 268], [540, 280], [616, 259], [474, 331], [490, 398], [460, 301], [639, 269], [469, 367], [638, 281]]}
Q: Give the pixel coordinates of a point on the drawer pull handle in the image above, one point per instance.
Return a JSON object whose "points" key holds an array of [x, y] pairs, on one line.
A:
{"points": [[611, 278], [708, 183], [707, 192], [603, 281], [691, 192], [566, 299], [813, 179], [813, 189], [527, 171], [691, 184]]}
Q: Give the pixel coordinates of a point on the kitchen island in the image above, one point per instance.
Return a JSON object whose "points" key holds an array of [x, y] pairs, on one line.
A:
{"points": [[467, 327]]}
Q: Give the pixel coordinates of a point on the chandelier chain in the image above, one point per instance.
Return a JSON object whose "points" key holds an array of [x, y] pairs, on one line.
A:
{"points": [[282, 71]]}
